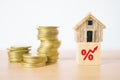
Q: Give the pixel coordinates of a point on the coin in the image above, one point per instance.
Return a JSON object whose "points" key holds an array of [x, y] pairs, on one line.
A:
{"points": [[20, 47], [42, 58], [34, 60], [28, 65], [49, 42], [15, 53]]}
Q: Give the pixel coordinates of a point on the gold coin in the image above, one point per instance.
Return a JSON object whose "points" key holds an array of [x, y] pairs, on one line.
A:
{"points": [[12, 54], [49, 42], [53, 58], [47, 38], [47, 49], [47, 27], [49, 54], [34, 59], [45, 44], [20, 47], [15, 53], [28, 65], [19, 51], [48, 33], [15, 60], [15, 56]]}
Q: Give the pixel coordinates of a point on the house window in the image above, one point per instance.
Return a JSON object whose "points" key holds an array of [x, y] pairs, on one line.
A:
{"points": [[90, 22]]}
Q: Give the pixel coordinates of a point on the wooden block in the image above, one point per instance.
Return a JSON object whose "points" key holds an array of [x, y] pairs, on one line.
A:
{"points": [[88, 53]]}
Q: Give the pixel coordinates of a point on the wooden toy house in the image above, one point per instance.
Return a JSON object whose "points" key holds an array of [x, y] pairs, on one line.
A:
{"points": [[88, 35], [89, 29]]}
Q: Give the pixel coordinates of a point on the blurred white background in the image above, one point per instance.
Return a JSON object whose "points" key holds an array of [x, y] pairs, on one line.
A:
{"points": [[20, 18]]}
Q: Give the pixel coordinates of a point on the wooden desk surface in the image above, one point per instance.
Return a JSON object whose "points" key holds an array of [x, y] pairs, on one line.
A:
{"points": [[65, 69]]}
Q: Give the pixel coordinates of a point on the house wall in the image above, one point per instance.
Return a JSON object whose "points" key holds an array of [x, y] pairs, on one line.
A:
{"points": [[81, 33]]}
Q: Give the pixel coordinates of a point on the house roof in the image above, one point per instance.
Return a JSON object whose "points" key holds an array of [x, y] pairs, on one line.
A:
{"points": [[89, 16]]}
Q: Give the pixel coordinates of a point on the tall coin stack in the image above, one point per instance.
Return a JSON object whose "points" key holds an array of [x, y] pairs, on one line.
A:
{"points": [[49, 42], [15, 53]]}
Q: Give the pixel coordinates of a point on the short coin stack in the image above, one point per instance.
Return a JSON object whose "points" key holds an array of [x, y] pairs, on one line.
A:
{"points": [[49, 42], [34, 60], [15, 53]]}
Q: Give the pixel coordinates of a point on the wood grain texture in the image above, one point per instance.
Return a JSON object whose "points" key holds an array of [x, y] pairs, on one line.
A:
{"points": [[65, 69], [88, 47], [82, 27]]}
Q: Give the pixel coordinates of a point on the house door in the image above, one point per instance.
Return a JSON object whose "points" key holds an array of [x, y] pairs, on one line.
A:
{"points": [[89, 36]]}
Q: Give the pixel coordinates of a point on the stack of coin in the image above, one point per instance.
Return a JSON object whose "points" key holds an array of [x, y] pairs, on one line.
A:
{"points": [[34, 60], [15, 53], [49, 42]]}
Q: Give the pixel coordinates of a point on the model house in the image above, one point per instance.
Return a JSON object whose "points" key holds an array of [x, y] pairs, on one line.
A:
{"points": [[88, 35], [89, 29]]}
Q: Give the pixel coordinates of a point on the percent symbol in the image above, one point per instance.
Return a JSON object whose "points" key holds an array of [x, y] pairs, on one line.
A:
{"points": [[87, 54]]}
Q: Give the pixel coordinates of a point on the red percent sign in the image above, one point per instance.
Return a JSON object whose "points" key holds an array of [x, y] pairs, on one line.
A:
{"points": [[86, 54]]}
